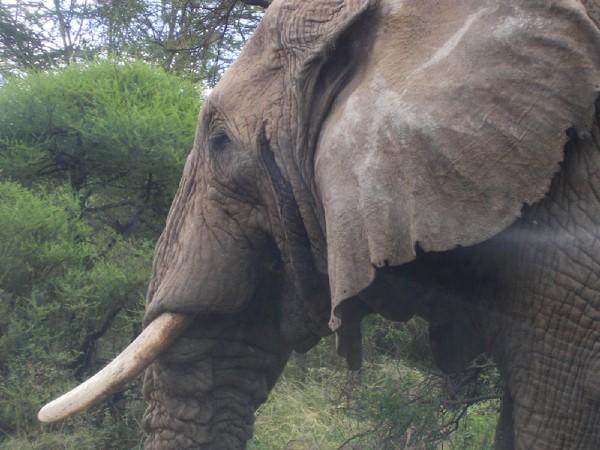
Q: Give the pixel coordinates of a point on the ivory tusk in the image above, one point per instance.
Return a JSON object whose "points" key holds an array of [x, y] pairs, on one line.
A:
{"points": [[155, 338]]}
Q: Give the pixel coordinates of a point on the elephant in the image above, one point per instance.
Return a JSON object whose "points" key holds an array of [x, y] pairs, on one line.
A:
{"points": [[394, 157]]}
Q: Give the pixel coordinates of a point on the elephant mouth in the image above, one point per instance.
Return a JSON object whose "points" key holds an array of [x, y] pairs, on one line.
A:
{"points": [[156, 337]]}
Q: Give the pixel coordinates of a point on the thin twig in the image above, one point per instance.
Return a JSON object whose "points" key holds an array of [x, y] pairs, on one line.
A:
{"points": [[261, 3], [360, 435]]}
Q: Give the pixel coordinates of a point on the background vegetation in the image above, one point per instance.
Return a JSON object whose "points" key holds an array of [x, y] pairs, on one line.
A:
{"points": [[98, 103]]}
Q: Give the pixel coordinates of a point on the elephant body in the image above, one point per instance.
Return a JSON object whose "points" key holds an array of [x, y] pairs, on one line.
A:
{"points": [[543, 327], [531, 295], [449, 134], [401, 157], [417, 157]]}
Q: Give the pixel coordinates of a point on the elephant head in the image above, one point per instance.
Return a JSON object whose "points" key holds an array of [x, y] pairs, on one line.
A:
{"points": [[341, 160]]}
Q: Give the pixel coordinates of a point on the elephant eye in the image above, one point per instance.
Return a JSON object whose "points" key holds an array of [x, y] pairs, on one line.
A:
{"points": [[218, 141]]}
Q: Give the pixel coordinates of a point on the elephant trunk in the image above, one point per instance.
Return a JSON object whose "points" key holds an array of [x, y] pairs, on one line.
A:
{"points": [[203, 392]]}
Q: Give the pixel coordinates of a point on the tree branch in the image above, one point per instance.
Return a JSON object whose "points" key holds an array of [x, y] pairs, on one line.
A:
{"points": [[360, 435], [262, 3], [472, 400], [87, 348]]}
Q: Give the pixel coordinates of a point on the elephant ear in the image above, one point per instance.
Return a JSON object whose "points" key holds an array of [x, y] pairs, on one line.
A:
{"points": [[310, 37], [310, 30], [458, 119]]}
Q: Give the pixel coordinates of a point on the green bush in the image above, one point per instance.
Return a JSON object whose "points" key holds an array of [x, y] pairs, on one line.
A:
{"points": [[63, 286], [90, 158], [117, 133]]}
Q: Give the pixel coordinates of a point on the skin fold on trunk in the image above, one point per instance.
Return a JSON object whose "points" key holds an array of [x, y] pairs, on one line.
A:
{"points": [[203, 392]]}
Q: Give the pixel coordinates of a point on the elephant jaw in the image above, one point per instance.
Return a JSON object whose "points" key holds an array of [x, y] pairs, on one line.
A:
{"points": [[155, 338]]}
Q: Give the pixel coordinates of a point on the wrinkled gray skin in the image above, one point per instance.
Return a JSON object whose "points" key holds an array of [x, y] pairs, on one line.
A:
{"points": [[438, 158]]}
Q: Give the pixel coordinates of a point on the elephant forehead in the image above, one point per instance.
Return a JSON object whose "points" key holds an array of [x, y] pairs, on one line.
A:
{"points": [[247, 93], [254, 83]]}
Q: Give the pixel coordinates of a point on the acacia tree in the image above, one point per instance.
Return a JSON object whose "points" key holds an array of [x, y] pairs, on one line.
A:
{"points": [[20, 46], [196, 39], [65, 287], [117, 134], [193, 38], [90, 158]]}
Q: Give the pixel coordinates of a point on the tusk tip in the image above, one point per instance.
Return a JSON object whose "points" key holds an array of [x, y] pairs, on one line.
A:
{"points": [[44, 415], [157, 336]]}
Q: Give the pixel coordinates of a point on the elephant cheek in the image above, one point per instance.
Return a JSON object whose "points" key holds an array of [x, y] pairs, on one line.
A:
{"points": [[215, 273]]}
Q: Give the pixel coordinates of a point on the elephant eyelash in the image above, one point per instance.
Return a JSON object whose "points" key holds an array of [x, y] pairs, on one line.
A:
{"points": [[218, 141]]}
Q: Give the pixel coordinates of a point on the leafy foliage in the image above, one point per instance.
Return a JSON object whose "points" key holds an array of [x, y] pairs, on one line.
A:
{"points": [[62, 284], [117, 133], [76, 150], [195, 39]]}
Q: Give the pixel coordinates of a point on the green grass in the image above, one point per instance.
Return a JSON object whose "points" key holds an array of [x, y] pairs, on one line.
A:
{"points": [[327, 407]]}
